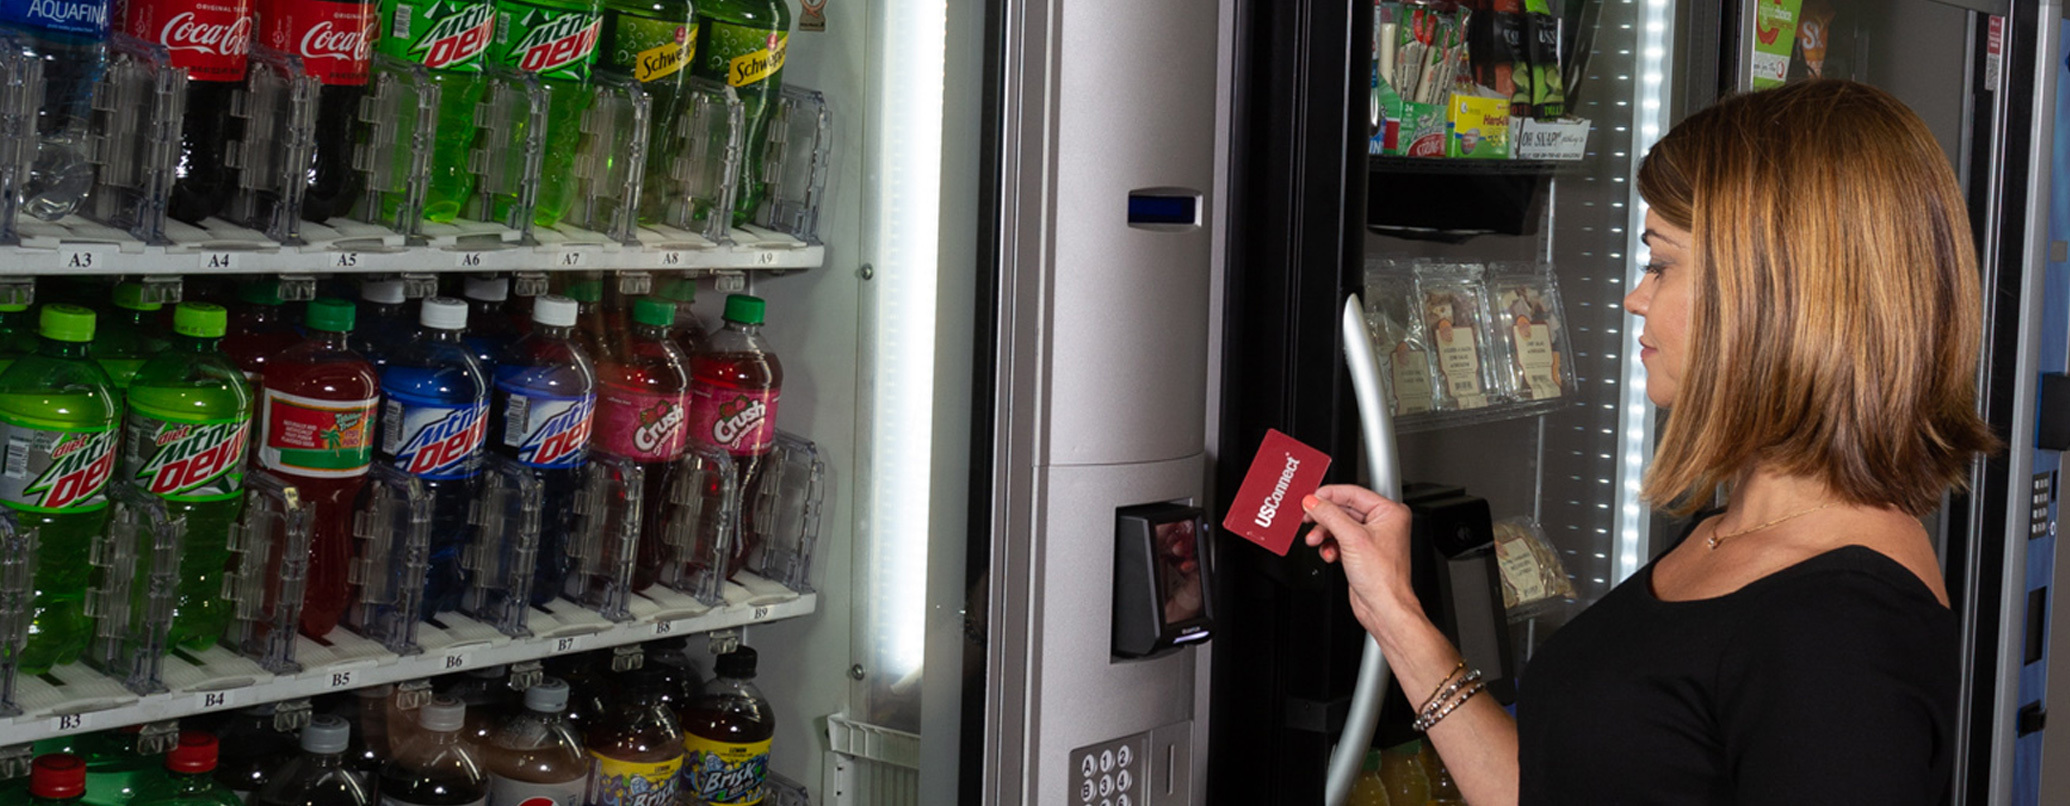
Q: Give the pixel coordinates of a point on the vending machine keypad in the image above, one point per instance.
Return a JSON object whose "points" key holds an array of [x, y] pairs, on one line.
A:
{"points": [[1112, 773]]}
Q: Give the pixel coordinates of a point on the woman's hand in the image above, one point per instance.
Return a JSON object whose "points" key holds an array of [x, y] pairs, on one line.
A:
{"points": [[1369, 534]]}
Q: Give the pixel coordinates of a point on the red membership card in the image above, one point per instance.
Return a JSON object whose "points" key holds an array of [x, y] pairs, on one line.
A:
{"points": [[1267, 508]]}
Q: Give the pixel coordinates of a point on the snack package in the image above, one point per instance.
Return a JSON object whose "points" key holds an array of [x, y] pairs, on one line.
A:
{"points": [[1455, 315], [1775, 35], [1542, 39], [1814, 31], [1392, 315], [1478, 127], [1528, 319], [1531, 569]]}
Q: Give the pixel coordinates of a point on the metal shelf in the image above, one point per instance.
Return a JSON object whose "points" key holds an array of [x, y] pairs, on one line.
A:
{"points": [[77, 246], [76, 699]]}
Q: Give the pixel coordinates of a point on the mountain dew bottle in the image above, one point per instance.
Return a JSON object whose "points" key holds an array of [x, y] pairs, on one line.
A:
{"points": [[651, 41], [17, 332], [189, 420], [449, 38], [58, 415], [556, 40], [743, 42], [128, 336]]}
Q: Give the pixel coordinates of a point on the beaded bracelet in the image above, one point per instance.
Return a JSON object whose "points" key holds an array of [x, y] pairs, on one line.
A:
{"points": [[1457, 669], [1445, 692], [1424, 723]]}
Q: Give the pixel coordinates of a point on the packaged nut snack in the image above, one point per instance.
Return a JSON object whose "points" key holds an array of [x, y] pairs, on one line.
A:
{"points": [[1531, 570], [1528, 320], [1392, 315], [1455, 317]]}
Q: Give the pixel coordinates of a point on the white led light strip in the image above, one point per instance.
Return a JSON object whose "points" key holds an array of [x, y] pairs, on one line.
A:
{"points": [[1635, 413]]}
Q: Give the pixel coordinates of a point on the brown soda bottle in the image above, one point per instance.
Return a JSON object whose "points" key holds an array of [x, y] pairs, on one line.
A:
{"points": [[727, 731], [635, 748], [533, 757]]}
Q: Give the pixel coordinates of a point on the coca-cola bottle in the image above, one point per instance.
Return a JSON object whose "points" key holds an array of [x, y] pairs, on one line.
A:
{"points": [[209, 39], [333, 38]]}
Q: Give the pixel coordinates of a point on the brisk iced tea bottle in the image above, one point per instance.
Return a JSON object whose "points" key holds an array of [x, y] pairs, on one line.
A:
{"points": [[727, 731], [317, 422], [734, 386], [636, 753]]}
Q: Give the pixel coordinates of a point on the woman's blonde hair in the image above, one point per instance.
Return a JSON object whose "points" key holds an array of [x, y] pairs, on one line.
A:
{"points": [[1834, 322]]}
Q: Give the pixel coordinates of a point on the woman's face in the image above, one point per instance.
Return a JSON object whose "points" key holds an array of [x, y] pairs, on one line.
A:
{"points": [[1662, 299]]}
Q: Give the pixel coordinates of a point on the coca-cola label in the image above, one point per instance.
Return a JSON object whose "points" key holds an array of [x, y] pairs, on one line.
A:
{"points": [[526, 793], [433, 441], [82, 17], [51, 470], [438, 34], [724, 773], [642, 426], [743, 421], [210, 39], [334, 38], [190, 461], [647, 48], [555, 43], [548, 431]]}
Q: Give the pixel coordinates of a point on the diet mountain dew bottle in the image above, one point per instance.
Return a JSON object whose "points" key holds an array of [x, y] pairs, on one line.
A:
{"points": [[450, 38], [743, 42], [557, 40], [188, 423], [58, 415], [652, 41]]}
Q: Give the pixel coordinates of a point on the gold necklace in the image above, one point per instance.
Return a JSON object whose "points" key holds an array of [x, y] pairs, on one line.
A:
{"points": [[1714, 539]]}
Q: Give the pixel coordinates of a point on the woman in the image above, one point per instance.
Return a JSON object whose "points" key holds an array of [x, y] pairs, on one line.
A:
{"points": [[1811, 321]]}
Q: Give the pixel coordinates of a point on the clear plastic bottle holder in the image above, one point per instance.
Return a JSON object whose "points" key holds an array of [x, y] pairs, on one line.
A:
{"points": [[21, 96], [795, 162], [270, 569], [278, 102], [398, 126], [512, 147], [611, 158], [699, 522], [503, 554], [136, 578], [607, 534], [791, 503], [394, 526], [17, 592], [707, 143], [138, 112]]}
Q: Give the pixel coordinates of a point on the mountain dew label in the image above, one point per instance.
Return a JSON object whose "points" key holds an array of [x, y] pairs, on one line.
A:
{"points": [[440, 34], [647, 48], [743, 57], [192, 461], [50, 470], [553, 42]]}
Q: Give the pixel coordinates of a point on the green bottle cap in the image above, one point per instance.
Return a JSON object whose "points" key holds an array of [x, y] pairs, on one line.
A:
{"points": [[679, 290], [200, 320], [744, 309], [265, 292], [62, 322], [13, 307], [131, 296], [654, 311], [330, 314], [586, 291]]}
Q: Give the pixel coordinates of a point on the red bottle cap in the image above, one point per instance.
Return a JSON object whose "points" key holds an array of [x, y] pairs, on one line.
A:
{"points": [[57, 776], [196, 753]]}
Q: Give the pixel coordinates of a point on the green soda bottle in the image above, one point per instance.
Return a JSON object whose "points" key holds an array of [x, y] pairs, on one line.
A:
{"points": [[129, 335], [118, 762], [556, 40], [743, 42], [188, 423], [449, 38], [187, 780], [58, 415], [651, 41], [17, 332]]}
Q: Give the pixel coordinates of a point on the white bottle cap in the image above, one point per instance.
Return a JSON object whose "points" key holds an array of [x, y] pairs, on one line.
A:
{"points": [[553, 310], [386, 292], [488, 289], [443, 714], [548, 696], [443, 313]]}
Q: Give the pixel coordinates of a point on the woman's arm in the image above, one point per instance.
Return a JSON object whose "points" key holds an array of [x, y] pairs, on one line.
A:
{"points": [[1370, 536]]}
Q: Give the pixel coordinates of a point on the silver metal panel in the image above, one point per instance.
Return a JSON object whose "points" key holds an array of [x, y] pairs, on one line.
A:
{"points": [[1138, 96]]}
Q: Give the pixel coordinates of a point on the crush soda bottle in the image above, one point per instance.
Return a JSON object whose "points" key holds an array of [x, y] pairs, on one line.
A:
{"points": [[58, 414], [211, 41], [557, 41], [742, 43], [642, 390], [317, 421], [449, 38], [651, 41], [433, 424], [334, 39], [189, 421], [544, 400], [734, 386]]}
